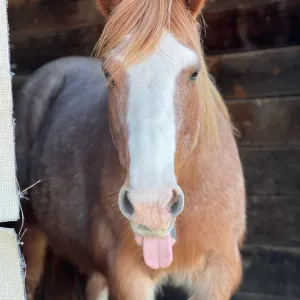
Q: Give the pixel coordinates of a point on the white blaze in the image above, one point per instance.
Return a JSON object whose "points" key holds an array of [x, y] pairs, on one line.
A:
{"points": [[151, 114]]}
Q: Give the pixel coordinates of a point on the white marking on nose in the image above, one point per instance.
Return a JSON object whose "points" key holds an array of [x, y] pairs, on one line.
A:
{"points": [[151, 114]]}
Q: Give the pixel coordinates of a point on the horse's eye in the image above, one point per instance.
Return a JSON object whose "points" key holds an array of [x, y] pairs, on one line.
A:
{"points": [[107, 75], [108, 78], [194, 76]]}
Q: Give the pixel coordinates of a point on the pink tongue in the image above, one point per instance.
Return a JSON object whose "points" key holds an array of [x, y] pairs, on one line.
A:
{"points": [[158, 252]]}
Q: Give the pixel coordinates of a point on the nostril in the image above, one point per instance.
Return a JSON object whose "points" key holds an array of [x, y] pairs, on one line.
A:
{"points": [[126, 206], [175, 208], [177, 203]]}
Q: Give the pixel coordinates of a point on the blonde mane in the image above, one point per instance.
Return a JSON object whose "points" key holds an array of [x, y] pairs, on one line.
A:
{"points": [[146, 21]]}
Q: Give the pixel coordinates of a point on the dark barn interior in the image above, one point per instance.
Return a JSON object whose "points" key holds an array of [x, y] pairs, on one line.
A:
{"points": [[253, 51]]}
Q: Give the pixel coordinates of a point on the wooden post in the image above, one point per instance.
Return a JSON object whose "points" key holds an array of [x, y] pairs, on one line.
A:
{"points": [[11, 281]]}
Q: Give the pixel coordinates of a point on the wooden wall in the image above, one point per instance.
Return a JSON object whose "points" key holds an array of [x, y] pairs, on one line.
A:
{"points": [[253, 49]]}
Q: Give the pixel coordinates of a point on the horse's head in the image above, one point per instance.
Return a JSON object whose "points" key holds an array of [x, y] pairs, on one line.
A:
{"points": [[151, 58]]}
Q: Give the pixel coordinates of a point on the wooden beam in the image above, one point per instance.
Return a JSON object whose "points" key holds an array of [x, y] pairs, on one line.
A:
{"points": [[254, 296], [20, 3], [46, 28], [271, 271], [47, 18], [249, 25], [273, 220], [36, 50], [271, 171], [267, 121], [256, 74], [221, 5]]}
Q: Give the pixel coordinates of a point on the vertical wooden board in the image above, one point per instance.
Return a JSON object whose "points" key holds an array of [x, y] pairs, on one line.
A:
{"points": [[9, 197], [267, 121], [11, 270]]}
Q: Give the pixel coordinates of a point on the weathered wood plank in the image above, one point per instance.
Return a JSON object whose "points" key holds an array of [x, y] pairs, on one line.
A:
{"points": [[271, 171], [255, 74], [19, 3], [267, 121], [273, 220], [253, 296], [250, 25], [36, 50], [40, 15], [51, 17], [211, 4], [271, 271], [221, 5], [48, 26]]}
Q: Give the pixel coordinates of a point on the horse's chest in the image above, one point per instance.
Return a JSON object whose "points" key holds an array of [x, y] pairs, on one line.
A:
{"points": [[182, 282]]}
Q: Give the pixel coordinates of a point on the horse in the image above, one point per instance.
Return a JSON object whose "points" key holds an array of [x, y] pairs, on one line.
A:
{"points": [[132, 154]]}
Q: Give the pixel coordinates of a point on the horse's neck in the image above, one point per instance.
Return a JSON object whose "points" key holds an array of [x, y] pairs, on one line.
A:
{"points": [[112, 179]]}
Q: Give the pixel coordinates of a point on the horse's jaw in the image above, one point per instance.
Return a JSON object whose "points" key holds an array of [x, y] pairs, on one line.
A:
{"points": [[158, 252]]}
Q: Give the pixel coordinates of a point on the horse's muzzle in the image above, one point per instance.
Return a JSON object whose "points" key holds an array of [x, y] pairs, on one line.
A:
{"points": [[152, 209]]}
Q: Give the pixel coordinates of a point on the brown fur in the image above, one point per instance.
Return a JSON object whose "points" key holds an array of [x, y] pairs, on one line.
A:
{"points": [[82, 159], [187, 135]]}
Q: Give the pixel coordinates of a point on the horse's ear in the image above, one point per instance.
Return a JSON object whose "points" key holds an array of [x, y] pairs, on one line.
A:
{"points": [[107, 6], [195, 6]]}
